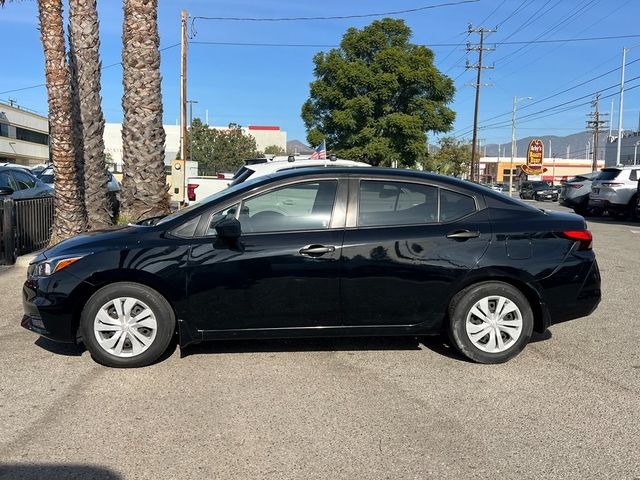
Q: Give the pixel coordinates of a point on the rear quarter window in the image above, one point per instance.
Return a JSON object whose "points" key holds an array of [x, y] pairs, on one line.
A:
{"points": [[455, 205]]}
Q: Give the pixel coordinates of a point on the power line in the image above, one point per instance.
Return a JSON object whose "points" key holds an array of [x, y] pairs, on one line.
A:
{"points": [[529, 105], [335, 17], [103, 68]]}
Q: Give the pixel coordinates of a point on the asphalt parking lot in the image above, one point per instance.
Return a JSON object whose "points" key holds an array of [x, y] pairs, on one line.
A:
{"points": [[567, 407]]}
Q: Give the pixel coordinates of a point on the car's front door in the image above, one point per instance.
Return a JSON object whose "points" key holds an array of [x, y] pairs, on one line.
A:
{"points": [[410, 245], [283, 272]]}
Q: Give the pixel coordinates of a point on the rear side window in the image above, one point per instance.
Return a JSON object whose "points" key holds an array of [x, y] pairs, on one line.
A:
{"points": [[396, 203], [6, 180], [608, 174], [455, 205], [24, 180], [634, 175]]}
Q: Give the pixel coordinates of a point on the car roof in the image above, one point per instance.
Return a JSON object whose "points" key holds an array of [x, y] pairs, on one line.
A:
{"points": [[279, 165]]}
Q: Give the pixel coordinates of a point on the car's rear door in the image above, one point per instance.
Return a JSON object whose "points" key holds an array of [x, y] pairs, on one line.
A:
{"points": [[284, 271], [406, 246]]}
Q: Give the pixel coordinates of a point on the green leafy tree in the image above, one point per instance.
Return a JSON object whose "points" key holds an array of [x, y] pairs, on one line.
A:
{"points": [[452, 158], [377, 95], [274, 150], [220, 150]]}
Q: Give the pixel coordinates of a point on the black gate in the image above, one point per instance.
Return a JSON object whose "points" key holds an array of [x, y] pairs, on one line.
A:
{"points": [[25, 226]]}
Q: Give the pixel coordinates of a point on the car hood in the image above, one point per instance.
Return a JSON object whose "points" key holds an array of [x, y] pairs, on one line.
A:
{"points": [[96, 240]]}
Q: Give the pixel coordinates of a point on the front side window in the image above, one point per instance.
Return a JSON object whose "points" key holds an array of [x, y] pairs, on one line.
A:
{"points": [[219, 216], [24, 180], [396, 203], [303, 206]]}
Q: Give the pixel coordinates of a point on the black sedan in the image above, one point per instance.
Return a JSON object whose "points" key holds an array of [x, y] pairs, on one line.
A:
{"points": [[320, 252], [19, 184], [539, 191]]}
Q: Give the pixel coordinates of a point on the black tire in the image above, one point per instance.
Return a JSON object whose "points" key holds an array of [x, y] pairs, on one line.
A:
{"points": [[535, 197], [462, 304], [633, 208], [164, 316]]}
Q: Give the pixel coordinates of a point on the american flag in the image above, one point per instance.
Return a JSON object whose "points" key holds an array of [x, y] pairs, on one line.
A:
{"points": [[320, 153]]}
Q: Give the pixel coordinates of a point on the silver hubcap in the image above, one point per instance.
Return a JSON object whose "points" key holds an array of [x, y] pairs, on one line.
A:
{"points": [[494, 324], [125, 327]]}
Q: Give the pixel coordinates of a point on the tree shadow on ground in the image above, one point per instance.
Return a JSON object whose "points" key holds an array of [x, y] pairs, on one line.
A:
{"points": [[55, 472]]}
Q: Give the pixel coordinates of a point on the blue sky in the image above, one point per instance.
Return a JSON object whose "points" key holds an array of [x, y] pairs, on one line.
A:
{"points": [[261, 85]]}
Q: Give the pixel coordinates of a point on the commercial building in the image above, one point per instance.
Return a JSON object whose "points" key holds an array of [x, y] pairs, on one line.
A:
{"points": [[24, 136], [629, 147], [498, 169], [264, 136]]}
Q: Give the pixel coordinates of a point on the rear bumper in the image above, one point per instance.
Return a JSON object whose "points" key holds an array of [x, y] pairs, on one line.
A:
{"points": [[575, 201], [607, 205], [577, 293]]}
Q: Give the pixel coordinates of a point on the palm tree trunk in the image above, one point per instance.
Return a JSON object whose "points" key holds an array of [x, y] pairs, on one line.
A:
{"points": [[144, 188], [70, 217], [84, 60]]}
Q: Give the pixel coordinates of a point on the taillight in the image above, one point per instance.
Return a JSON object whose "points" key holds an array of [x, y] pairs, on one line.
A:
{"points": [[191, 191], [583, 236], [612, 184], [576, 185]]}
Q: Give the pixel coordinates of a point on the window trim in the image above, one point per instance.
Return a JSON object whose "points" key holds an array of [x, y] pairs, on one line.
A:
{"points": [[354, 202]]}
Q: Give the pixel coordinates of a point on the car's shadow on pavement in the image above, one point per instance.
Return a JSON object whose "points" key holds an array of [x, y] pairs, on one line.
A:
{"points": [[55, 472], [66, 349], [613, 221], [436, 343]]}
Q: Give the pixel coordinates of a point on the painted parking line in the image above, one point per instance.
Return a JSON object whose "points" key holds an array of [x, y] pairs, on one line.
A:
{"points": [[637, 232]]}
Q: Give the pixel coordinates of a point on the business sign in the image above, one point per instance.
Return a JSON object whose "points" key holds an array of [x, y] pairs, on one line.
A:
{"points": [[535, 154]]}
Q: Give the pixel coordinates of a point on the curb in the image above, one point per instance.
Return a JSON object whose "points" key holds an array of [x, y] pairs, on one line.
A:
{"points": [[25, 260]]}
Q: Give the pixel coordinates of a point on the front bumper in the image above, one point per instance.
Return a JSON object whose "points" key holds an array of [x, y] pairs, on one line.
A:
{"points": [[49, 309]]}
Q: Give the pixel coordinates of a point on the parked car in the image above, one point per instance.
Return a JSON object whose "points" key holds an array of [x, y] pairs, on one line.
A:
{"points": [[500, 187], [281, 164], [320, 252], [574, 193], [539, 191], [615, 190], [18, 183], [47, 177]]}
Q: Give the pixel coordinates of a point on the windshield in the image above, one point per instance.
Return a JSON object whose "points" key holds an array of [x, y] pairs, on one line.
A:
{"points": [[539, 184]]}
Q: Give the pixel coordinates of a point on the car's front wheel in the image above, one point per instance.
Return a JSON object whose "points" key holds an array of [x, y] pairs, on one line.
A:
{"points": [[127, 324], [490, 322]]}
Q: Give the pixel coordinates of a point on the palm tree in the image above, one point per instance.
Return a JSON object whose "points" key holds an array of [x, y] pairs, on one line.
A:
{"points": [[84, 62], [144, 193], [70, 216]]}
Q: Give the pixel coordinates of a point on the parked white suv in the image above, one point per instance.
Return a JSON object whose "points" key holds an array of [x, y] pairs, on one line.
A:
{"points": [[253, 169], [615, 190]]}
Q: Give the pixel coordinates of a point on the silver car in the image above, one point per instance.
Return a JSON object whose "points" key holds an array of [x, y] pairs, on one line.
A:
{"points": [[575, 194], [615, 190]]}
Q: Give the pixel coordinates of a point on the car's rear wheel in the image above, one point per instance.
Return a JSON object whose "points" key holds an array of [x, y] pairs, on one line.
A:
{"points": [[490, 322], [127, 325]]}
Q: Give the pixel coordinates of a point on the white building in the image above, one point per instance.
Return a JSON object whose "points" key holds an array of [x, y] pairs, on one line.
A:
{"points": [[264, 136], [24, 136]]}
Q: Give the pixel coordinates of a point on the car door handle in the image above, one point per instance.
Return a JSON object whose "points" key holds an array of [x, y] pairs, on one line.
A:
{"points": [[463, 234], [316, 250]]}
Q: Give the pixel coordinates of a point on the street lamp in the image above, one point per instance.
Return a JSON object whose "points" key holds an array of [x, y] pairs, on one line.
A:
{"points": [[513, 139], [621, 101], [635, 153]]}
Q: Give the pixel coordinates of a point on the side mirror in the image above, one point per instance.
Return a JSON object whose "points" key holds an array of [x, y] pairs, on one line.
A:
{"points": [[228, 229], [6, 191]]}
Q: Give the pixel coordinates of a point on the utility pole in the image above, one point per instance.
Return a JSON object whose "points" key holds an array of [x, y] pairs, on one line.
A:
{"points": [[620, 105], [596, 125], [178, 167], [480, 48]]}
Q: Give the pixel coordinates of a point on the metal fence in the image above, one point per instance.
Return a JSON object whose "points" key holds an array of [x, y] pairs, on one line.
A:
{"points": [[25, 226]]}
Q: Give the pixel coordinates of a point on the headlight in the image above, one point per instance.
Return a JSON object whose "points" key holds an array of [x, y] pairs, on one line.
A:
{"points": [[51, 266]]}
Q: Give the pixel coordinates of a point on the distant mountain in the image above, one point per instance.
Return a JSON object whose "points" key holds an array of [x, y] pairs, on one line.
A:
{"points": [[297, 147], [577, 143]]}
